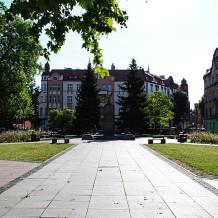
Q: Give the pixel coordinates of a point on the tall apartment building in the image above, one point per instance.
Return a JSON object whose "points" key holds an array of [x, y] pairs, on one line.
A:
{"points": [[211, 95], [59, 88]]}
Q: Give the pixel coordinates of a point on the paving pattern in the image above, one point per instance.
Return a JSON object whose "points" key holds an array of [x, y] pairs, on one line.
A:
{"points": [[108, 179], [10, 170]]}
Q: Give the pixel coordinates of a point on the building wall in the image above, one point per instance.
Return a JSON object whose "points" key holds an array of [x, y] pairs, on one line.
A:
{"points": [[211, 95], [59, 92], [70, 89], [211, 125]]}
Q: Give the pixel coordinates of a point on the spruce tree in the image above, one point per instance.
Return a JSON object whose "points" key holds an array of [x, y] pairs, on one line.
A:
{"points": [[88, 110], [132, 106]]}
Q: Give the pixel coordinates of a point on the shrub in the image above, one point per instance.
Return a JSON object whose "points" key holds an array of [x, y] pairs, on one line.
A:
{"points": [[203, 137], [18, 136]]}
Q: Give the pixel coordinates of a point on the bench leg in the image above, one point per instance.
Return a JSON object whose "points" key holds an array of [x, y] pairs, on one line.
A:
{"points": [[66, 140], [150, 141], [54, 141], [163, 141]]}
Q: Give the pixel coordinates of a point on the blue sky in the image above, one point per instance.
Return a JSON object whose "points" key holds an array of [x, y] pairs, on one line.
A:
{"points": [[174, 37]]}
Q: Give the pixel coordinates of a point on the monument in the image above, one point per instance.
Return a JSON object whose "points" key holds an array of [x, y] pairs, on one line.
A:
{"points": [[108, 119], [108, 123]]}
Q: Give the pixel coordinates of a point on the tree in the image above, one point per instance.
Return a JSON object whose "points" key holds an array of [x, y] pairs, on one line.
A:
{"points": [[95, 18], [159, 109], [201, 106], [131, 115], [181, 106], [61, 119], [34, 94], [88, 110], [19, 55]]}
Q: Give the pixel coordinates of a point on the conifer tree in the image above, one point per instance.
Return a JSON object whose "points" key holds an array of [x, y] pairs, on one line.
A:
{"points": [[132, 106], [88, 111]]}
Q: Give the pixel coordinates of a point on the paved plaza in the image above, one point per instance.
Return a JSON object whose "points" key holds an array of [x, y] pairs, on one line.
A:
{"points": [[113, 179]]}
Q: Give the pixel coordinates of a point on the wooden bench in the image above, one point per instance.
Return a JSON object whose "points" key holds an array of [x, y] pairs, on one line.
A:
{"points": [[56, 136], [157, 137], [182, 137]]}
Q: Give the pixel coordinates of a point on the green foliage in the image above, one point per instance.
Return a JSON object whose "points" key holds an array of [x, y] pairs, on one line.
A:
{"points": [[203, 137], [181, 106], [201, 106], [159, 109], [34, 116], [88, 109], [132, 106], [202, 160], [19, 55], [15, 136], [89, 18], [61, 119], [18, 136], [37, 152]]}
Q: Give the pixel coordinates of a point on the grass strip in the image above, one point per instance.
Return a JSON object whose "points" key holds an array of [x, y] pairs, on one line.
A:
{"points": [[199, 159], [36, 152]]}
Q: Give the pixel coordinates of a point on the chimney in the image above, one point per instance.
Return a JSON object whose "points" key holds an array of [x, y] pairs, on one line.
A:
{"points": [[47, 67], [113, 66]]}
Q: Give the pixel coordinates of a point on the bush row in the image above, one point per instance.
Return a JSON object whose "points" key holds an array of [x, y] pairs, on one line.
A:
{"points": [[18, 136], [203, 137]]}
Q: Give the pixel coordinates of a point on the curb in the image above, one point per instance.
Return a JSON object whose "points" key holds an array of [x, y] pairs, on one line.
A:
{"points": [[22, 177], [183, 170]]}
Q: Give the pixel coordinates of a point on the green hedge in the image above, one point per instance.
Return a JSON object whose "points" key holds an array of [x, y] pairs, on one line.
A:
{"points": [[203, 137], [18, 136]]}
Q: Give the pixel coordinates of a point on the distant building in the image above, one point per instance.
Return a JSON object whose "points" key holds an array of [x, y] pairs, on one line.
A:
{"points": [[211, 95], [59, 88], [198, 121]]}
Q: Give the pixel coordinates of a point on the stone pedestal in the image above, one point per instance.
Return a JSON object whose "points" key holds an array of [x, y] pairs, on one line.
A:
{"points": [[108, 120], [87, 137]]}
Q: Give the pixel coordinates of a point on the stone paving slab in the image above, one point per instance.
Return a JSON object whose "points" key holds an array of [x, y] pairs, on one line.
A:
{"points": [[108, 179], [10, 170]]}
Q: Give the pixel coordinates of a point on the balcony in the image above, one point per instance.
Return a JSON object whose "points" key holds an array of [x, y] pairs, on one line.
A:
{"points": [[103, 92]]}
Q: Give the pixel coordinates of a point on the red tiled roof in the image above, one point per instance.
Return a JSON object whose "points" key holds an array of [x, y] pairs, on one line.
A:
{"points": [[68, 74], [77, 74], [119, 75]]}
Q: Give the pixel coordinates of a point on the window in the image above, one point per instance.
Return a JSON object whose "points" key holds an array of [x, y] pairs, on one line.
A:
{"points": [[46, 111], [50, 98], [69, 99], [59, 87], [58, 98], [41, 111], [157, 88], [110, 88], [69, 87], [121, 88], [44, 87], [54, 87], [103, 87], [151, 87], [78, 86], [98, 76], [54, 98], [41, 99]]}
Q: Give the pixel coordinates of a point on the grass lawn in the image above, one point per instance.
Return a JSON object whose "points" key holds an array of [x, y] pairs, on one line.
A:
{"points": [[199, 159], [37, 152]]}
